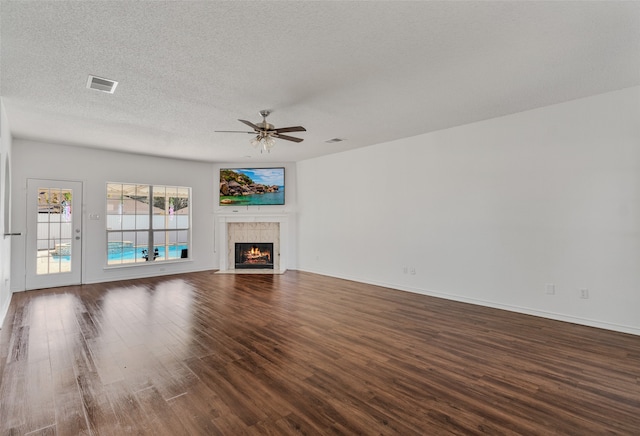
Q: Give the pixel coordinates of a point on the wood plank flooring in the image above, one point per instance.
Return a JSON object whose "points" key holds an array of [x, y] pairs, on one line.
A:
{"points": [[209, 354]]}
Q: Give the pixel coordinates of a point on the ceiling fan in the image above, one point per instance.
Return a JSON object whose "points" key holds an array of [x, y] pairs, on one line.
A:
{"points": [[265, 132]]}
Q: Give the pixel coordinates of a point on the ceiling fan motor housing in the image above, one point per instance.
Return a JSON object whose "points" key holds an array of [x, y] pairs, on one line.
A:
{"points": [[265, 126]]}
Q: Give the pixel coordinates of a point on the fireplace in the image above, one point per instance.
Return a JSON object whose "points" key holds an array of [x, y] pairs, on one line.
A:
{"points": [[254, 255], [240, 227]]}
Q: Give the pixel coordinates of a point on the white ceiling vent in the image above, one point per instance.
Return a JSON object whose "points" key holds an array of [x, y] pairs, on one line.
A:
{"points": [[101, 84]]}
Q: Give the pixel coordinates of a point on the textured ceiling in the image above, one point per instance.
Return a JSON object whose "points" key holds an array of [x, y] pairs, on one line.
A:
{"points": [[368, 72]]}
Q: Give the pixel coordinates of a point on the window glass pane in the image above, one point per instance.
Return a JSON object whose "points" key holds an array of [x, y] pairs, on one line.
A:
{"points": [[141, 242], [114, 191], [160, 241], [182, 237], [114, 248], [159, 238], [62, 247], [172, 203], [182, 201], [42, 232], [140, 207], [159, 221], [128, 222], [65, 230], [142, 220], [43, 199], [159, 207], [55, 265], [127, 208], [181, 243], [137, 242], [114, 222], [115, 200], [182, 214], [122, 248]]}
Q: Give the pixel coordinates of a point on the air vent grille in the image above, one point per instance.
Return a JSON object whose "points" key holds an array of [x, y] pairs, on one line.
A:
{"points": [[101, 84]]}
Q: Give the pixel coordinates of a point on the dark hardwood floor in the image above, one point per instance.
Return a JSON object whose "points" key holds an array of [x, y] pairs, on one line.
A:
{"points": [[207, 354]]}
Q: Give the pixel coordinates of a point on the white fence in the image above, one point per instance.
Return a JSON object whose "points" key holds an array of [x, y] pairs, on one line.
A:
{"points": [[55, 229]]}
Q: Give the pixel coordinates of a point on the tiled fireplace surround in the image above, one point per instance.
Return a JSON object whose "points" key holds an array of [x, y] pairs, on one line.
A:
{"points": [[252, 228]]}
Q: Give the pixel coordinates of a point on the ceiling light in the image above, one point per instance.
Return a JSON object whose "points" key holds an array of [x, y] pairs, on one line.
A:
{"points": [[264, 141], [331, 141]]}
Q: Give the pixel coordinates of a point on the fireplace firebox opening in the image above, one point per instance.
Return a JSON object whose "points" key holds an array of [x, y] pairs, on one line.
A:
{"points": [[256, 255]]}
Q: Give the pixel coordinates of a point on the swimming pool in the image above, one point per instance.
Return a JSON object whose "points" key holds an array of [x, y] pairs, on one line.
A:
{"points": [[130, 253], [127, 253]]}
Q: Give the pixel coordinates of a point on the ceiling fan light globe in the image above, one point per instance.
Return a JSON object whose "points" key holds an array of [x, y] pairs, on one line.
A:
{"points": [[269, 142]]}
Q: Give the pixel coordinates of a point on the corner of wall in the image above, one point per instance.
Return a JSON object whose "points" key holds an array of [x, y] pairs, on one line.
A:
{"points": [[5, 198]]}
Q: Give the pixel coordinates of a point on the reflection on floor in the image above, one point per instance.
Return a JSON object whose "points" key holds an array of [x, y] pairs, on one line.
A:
{"points": [[250, 271]]}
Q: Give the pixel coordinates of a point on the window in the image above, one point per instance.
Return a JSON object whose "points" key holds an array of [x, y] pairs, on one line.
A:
{"points": [[147, 223]]}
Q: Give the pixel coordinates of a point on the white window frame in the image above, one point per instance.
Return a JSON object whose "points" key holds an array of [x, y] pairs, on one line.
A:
{"points": [[151, 230]]}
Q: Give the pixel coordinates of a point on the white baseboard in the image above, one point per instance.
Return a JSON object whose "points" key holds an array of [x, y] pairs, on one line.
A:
{"points": [[4, 310]]}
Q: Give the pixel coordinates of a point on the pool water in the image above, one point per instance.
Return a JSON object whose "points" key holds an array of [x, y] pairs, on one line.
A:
{"points": [[132, 253]]}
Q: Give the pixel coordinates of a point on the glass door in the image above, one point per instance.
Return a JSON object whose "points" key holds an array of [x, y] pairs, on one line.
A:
{"points": [[54, 233]]}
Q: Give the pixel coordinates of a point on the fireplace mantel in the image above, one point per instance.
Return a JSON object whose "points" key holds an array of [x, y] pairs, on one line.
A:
{"points": [[223, 225]]}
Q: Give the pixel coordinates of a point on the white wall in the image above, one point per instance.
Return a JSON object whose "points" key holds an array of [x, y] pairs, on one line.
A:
{"points": [[491, 212], [95, 168], [5, 242]]}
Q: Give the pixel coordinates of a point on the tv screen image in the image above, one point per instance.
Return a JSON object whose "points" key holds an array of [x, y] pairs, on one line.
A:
{"points": [[251, 186]]}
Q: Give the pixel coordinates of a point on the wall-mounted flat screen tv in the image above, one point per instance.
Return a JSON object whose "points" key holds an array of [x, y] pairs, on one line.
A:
{"points": [[251, 186]]}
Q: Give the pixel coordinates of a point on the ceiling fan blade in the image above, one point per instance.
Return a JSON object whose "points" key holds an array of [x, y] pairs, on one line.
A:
{"points": [[250, 124], [290, 129], [287, 138], [234, 131]]}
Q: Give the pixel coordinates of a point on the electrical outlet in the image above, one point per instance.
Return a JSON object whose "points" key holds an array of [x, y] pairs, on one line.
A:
{"points": [[405, 269], [584, 293], [412, 271], [550, 289]]}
